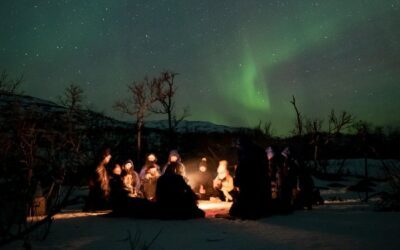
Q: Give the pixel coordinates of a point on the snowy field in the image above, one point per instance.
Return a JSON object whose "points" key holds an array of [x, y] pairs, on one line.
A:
{"points": [[333, 226], [344, 222]]}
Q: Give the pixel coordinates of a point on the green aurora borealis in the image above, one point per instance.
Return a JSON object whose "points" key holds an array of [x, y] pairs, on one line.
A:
{"points": [[239, 61]]}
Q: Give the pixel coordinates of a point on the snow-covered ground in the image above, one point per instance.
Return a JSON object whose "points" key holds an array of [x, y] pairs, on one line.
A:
{"points": [[344, 222], [338, 226], [356, 167], [337, 191]]}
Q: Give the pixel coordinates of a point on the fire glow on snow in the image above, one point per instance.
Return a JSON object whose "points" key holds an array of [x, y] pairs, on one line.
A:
{"points": [[211, 208]]}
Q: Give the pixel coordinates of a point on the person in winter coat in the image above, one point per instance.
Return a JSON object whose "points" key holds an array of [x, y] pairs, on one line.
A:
{"points": [[179, 167], [174, 198], [99, 188], [251, 178], [124, 202], [203, 185], [223, 183], [303, 189], [149, 175], [273, 175], [287, 181], [131, 179], [317, 198], [272, 171]]}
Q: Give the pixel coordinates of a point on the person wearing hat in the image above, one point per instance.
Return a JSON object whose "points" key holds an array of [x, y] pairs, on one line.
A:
{"points": [[203, 186], [125, 199], [274, 177], [287, 181], [251, 178], [223, 182], [99, 186], [149, 175], [131, 179], [179, 168], [272, 168], [174, 197]]}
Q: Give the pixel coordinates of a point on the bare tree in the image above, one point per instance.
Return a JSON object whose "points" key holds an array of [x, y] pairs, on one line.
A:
{"points": [[265, 129], [363, 129], [72, 98], [143, 96], [338, 123], [314, 129], [268, 129], [318, 136], [22, 173], [166, 90], [73, 123], [298, 130], [8, 86], [37, 145]]}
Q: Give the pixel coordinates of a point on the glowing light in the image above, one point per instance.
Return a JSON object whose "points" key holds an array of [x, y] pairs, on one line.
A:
{"points": [[211, 208], [70, 214]]}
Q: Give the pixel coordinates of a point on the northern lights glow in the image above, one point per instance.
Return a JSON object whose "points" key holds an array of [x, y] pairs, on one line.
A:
{"points": [[239, 61]]}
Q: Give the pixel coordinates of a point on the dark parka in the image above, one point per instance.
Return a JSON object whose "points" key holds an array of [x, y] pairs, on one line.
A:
{"points": [[252, 179], [175, 199], [123, 204]]}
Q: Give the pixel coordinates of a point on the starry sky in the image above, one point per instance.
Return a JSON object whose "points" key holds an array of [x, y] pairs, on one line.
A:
{"points": [[239, 61]]}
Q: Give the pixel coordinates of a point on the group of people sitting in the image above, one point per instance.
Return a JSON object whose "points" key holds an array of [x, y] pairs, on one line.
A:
{"points": [[262, 183], [221, 187], [152, 193]]}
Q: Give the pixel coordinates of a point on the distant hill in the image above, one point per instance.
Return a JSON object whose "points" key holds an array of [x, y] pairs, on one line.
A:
{"points": [[192, 127], [46, 107], [25, 101]]}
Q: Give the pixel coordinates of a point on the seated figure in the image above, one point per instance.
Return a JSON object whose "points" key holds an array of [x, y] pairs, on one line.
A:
{"points": [[223, 183], [174, 197], [149, 175], [203, 181]]}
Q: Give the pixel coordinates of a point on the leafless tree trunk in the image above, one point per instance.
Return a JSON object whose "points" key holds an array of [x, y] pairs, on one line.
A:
{"points": [[268, 129], [314, 128], [298, 130], [166, 90], [363, 131], [143, 96]]}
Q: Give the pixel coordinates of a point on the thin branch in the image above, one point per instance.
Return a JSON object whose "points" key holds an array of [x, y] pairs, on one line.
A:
{"points": [[299, 119]]}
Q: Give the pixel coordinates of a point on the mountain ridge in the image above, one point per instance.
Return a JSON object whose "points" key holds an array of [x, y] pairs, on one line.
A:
{"points": [[46, 106]]}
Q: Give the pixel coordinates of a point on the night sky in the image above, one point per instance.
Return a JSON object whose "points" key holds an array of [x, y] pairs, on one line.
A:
{"points": [[239, 61]]}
